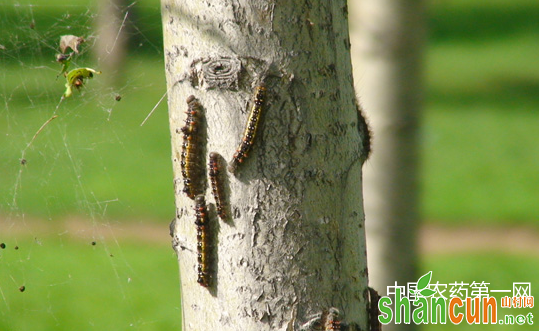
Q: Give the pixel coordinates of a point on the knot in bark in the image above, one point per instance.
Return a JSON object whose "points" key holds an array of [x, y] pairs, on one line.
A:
{"points": [[221, 73]]}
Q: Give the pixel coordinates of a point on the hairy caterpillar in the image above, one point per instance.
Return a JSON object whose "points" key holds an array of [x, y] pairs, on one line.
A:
{"points": [[217, 185], [374, 312], [203, 256], [364, 131], [250, 129], [189, 147], [332, 322], [333, 326]]}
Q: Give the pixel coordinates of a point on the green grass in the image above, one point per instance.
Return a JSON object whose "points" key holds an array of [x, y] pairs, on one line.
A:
{"points": [[492, 178], [480, 151], [479, 143], [72, 285], [95, 158]]}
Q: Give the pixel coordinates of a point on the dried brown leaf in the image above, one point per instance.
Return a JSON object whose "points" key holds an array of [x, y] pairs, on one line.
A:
{"points": [[70, 41]]}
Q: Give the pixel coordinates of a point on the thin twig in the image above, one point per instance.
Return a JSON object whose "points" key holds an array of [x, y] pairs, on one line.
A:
{"points": [[156, 105], [39, 131]]}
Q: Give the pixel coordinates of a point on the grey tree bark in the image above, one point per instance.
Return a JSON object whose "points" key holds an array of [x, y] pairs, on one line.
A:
{"points": [[291, 254], [387, 51]]}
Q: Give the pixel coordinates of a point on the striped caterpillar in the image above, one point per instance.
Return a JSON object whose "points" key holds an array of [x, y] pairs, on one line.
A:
{"points": [[364, 131], [189, 147], [374, 312], [217, 185], [333, 326], [332, 322], [250, 129], [203, 249]]}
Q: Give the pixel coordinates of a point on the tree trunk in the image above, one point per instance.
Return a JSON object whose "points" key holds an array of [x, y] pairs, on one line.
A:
{"points": [[111, 44], [387, 48], [292, 247]]}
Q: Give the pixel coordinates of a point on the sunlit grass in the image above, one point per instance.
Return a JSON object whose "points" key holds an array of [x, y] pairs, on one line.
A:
{"points": [[480, 166], [71, 284], [95, 158], [479, 132], [122, 283]]}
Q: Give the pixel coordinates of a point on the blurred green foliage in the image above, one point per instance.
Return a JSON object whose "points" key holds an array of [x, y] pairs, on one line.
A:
{"points": [[455, 21]]}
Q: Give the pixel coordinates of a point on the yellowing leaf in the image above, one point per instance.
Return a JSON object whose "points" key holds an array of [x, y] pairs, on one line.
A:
{"points": [[75, 79]]}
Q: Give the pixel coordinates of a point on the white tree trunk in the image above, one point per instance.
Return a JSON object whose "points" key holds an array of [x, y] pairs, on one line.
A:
{"points": [[387, 47], [294, 243]]}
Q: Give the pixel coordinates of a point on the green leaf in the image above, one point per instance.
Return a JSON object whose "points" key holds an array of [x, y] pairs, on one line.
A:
{"points": [[75, 79], [427, 292], [65, 61], [80, 73], [68, 91], [424, 281]]}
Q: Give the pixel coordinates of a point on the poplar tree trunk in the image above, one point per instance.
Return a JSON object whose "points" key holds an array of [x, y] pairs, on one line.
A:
{"points": [[112, 38], [387, 48], [293, 246]]}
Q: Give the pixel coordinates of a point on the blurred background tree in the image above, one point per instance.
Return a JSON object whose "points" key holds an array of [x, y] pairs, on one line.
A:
{"points": [[112, 26], [388, 39]]}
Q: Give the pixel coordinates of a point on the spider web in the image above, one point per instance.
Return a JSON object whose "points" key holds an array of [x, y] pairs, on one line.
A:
{"points": [[85, 190]]}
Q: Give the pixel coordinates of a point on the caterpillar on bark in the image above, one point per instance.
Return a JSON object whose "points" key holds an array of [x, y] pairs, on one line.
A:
{"points": [[203, 247], [332, 322], [217, 185], [364, 131], [189, 147], [250, 128]]}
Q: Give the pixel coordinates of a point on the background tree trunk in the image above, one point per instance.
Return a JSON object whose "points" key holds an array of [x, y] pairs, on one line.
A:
{"points": [[387, 47], [293, 245], [111, 43]]}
